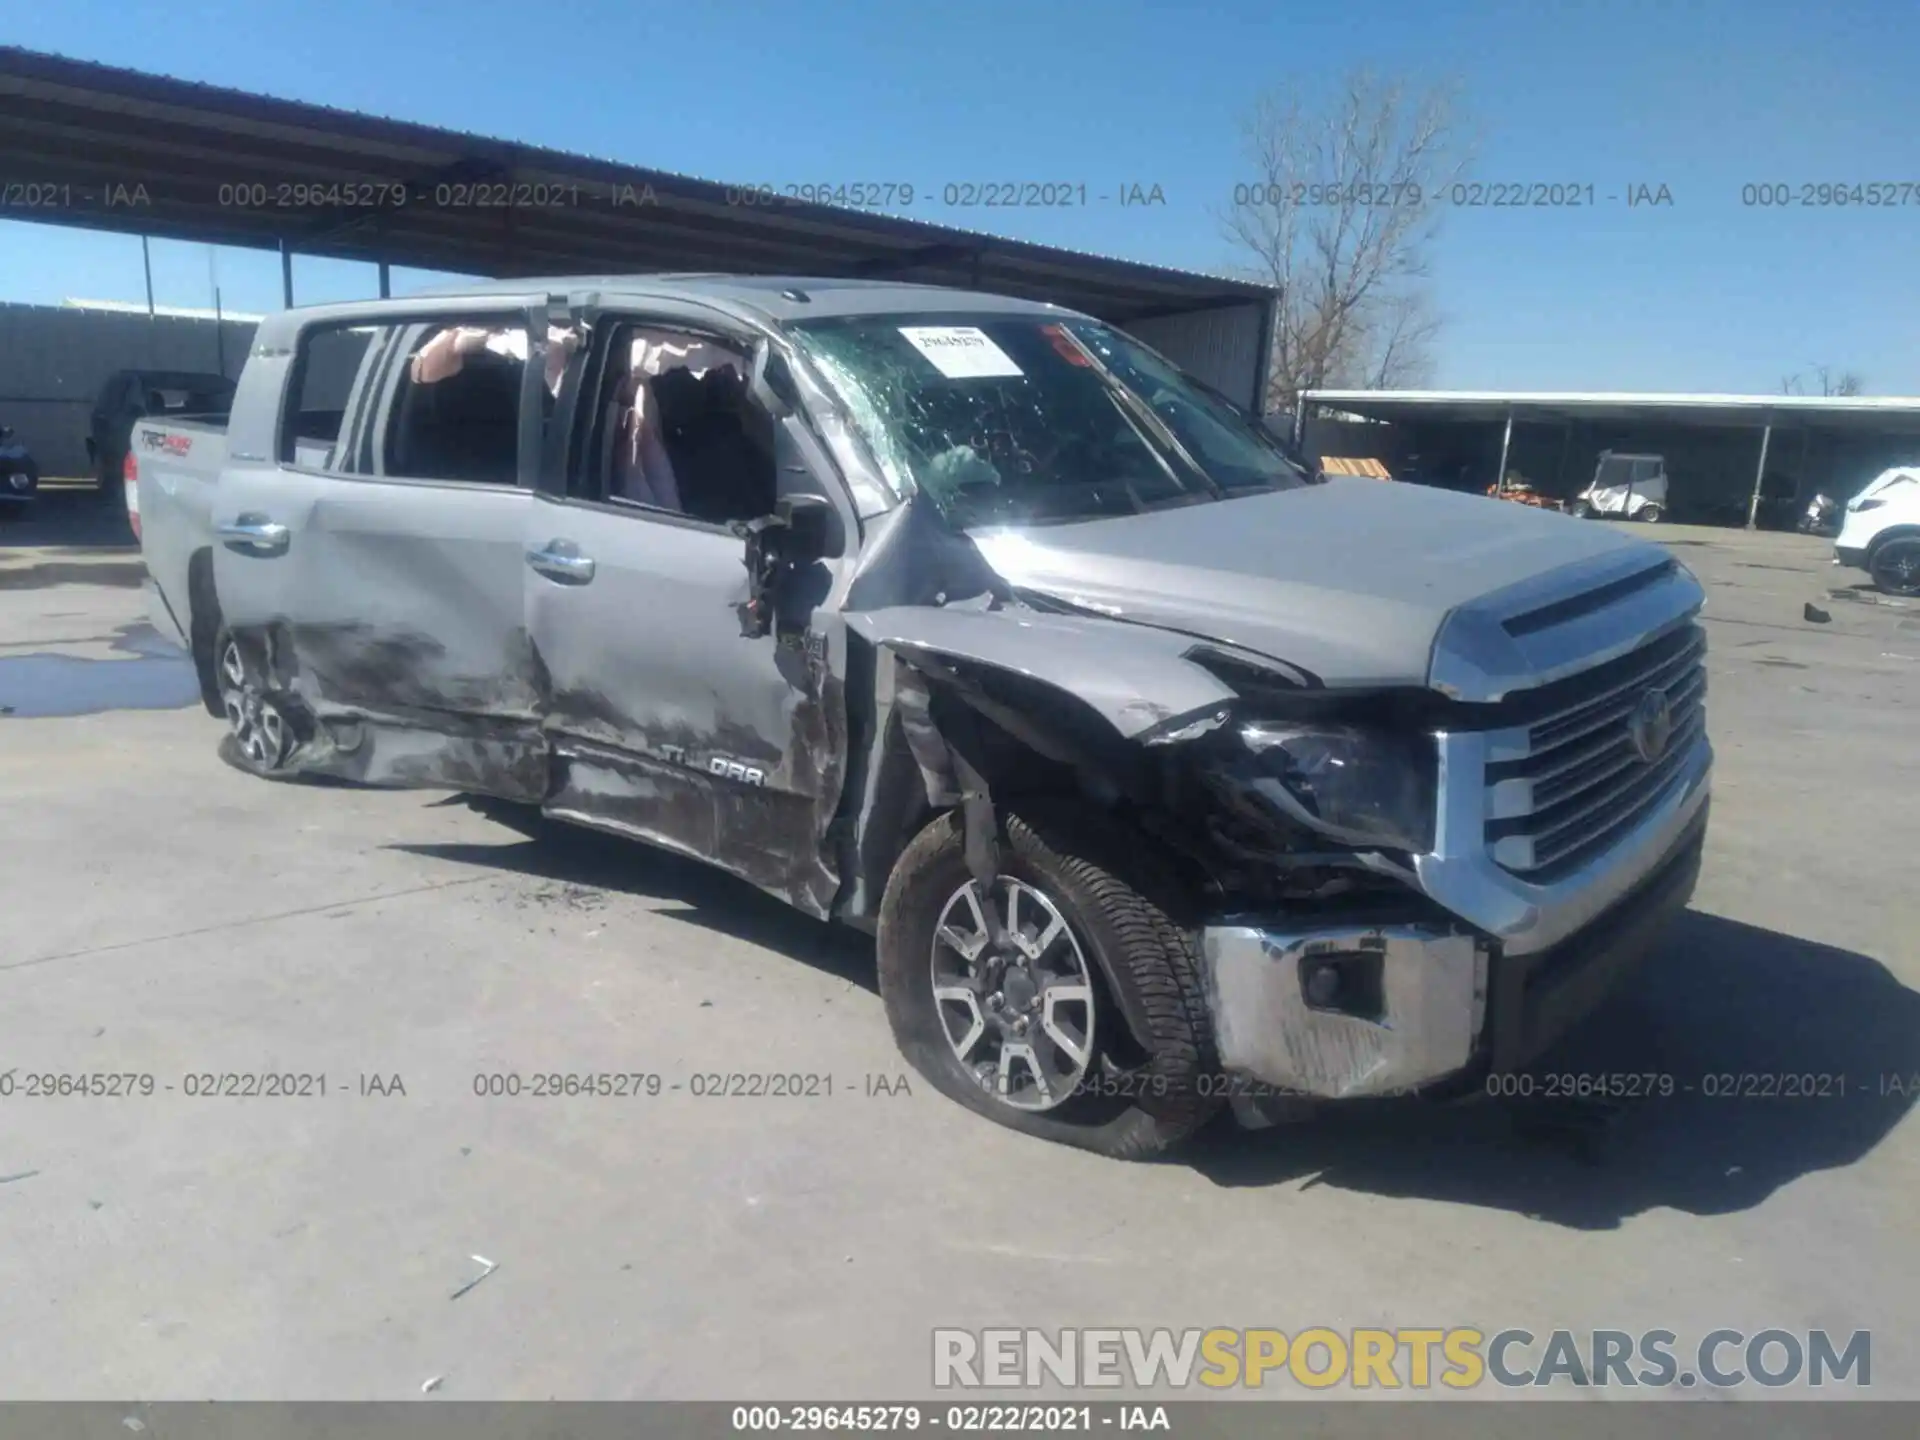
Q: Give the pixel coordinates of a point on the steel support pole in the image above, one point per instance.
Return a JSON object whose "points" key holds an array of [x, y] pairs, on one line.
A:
{"points": [[386, 282], [1759, 474], [146, 263], [286, 275], [1506, 442]]}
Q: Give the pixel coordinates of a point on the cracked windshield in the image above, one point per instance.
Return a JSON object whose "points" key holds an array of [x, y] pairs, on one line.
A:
{"points": [[1021, 420]]}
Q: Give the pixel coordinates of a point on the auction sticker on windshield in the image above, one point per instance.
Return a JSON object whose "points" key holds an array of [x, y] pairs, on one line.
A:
{"points": [[960, 352]]}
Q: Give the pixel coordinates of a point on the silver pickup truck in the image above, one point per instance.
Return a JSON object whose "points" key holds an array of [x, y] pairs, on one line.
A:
{"points": [[1167, 779]]}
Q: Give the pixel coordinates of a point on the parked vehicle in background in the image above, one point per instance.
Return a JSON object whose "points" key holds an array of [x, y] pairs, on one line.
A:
{"points": [[1629, 486], [1165, 779], [19, 476], [1880, 532], [1822, 516], [130, 395]]}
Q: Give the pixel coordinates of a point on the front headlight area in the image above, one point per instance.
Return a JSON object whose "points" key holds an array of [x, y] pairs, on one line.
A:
{"points": [[1357, 786]]}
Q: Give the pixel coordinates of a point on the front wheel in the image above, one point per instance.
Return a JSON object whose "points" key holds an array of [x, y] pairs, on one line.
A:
{"points": [[1004, 997], [1580, 510], [1895, 566]]}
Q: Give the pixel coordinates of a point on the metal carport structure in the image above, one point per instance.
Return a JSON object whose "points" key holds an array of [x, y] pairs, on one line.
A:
{"points": [[1895, 419], [122, 150]]}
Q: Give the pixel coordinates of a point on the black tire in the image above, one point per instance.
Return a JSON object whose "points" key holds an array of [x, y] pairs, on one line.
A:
{"points": [[1651, 514], [205, 637], [1142, 1094], [1895, 565], [1580, 509]]}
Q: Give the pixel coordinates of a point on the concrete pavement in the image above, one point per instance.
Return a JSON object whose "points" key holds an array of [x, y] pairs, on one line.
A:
{"points": [[162, 915]]}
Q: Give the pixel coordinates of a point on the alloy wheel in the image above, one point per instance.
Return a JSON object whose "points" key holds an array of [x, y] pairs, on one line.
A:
{"points": [[1896, 569], [258, 727], [1014, 993]]}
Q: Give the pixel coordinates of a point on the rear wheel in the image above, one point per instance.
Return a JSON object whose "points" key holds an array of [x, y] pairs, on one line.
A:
{"points": [[1580, 510], [260, 737], [1004, 998], [1651, 514], [1895, 566]]}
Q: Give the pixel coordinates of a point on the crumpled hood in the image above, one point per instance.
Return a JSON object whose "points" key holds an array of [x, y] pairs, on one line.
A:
{"points": [[1349, 580]]}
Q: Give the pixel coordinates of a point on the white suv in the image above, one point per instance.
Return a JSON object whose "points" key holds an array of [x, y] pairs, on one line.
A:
{"points": [[1880, 532]]}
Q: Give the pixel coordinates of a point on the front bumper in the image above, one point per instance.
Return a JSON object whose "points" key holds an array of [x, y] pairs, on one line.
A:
{"points": [[1490, 988], [1848, 555]]}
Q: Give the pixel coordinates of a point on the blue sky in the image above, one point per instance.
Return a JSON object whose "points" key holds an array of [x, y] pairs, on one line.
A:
{"points": [[1698, 95]]}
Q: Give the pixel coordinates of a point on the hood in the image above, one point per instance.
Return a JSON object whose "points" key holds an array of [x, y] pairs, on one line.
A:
{"points": [[1349, 580]]}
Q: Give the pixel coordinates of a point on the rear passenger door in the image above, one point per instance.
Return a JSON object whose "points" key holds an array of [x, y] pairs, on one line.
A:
{"points": [[368, 546]]}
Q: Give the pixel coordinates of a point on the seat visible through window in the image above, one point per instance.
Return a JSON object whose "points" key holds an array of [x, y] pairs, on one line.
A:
{"points": [[463, 427]]}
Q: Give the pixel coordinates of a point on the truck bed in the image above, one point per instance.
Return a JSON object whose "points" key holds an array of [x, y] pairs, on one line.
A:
{"points": [[176, 466]]}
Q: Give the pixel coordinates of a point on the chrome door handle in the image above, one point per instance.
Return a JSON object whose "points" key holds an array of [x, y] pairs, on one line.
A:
{"points": [[255, 535], [562, 562]]}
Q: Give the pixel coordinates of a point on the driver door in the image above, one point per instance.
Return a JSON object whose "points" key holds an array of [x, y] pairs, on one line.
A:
{"points": [[666, 721]]}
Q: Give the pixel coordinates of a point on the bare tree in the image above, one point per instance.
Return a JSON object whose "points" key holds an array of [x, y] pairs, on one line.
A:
{"points": [[1342, 210], [1847, 382]]}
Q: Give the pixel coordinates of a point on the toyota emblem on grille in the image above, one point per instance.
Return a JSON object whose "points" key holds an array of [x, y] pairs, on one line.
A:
{"points": [[1650, 727]]}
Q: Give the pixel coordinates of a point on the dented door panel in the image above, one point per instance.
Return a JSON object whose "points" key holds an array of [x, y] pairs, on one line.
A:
{"points": [[391, 620], [666, 722], [408, 618]]}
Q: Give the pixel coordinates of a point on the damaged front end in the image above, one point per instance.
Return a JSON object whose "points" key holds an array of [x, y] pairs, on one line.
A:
{"points": [[1264, 799], [1364, 925]]}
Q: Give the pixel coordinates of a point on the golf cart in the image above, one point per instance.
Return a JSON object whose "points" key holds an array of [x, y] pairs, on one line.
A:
{"points": [[1634, 486]]}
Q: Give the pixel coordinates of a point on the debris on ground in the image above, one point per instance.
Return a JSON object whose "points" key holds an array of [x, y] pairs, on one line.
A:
{"points": [[23, 1175], [1814, 613], [432, 1385], [481, 1260]]}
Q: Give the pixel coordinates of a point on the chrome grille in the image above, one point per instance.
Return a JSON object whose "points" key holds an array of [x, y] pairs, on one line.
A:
{"points": [[1567, 779]]}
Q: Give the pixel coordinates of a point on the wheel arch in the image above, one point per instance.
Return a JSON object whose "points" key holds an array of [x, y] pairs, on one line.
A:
{"points": [[203, 620], [972, 740], [1902, 531]]}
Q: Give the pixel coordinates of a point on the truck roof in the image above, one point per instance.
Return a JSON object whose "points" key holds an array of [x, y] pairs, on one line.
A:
{"points": [[776, 297]]}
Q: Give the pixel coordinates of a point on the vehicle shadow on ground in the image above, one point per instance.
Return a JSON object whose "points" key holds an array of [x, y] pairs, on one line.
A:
{"points": [[1786, 1057], [1727, 1010], [712, 899]]}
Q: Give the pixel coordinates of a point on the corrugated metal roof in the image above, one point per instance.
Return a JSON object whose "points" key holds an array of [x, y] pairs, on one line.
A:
{"points": [[1633, 406], [91, 126]]}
